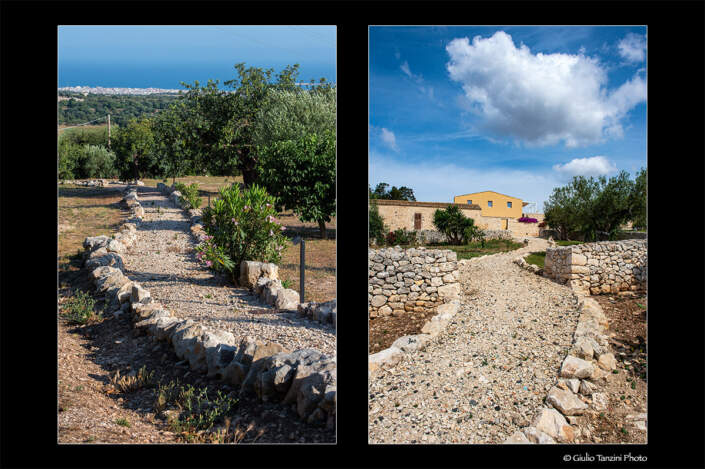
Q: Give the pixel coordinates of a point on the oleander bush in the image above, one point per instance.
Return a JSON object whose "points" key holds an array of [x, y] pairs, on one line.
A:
{"points": [[241, 225]]}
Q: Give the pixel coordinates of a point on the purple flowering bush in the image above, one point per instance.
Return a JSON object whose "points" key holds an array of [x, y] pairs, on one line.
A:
{"points": [[528, 220], [241, 225]]}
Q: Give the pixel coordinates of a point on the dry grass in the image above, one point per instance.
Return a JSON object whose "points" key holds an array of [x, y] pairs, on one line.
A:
{"points": [[320, 269], [83, 212]]}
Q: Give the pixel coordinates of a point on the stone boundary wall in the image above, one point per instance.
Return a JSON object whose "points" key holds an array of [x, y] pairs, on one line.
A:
{"points": [[435, 236], [304, 378], [412, 280], [602, 267]]}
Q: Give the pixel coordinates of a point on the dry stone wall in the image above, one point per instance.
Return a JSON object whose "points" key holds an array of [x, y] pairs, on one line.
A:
{"points": [[305, 379], [602, 267], [411, 280]]}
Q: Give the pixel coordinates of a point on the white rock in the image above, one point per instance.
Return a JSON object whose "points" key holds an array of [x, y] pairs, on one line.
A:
{"points": [[537, 436], [574, 367], [600, 400], [607, 362], [412, 343], [551, 422], [517, 438], [386, 358], [565, 401]]}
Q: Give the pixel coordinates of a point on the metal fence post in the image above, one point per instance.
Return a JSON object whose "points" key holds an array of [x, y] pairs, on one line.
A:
{"points": [[303, 269]]}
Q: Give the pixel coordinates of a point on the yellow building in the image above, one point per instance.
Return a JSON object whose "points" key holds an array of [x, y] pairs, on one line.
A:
{"points": [[493, 204]]}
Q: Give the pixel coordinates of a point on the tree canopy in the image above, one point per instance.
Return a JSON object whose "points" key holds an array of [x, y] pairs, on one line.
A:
{"points": [[401, 193], [597, 207]]}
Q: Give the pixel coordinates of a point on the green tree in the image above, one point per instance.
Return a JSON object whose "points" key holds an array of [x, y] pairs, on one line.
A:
{"points": [[452, 223], [638, 201], [223, 125], [376, 228], [401, 193], [301, 174], [595, 207], [134, 147], [170, 140], [288, 114]]}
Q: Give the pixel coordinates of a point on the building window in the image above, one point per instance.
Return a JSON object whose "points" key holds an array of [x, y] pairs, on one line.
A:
{"points": [[469, 202], [417, 221], [509, 205], [489, 203]]}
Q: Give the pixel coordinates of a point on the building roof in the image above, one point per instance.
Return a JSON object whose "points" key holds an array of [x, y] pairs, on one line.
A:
{"points": [[406, 203], [495, 192]]}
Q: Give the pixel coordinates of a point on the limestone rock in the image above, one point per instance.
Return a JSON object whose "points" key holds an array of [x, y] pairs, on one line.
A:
{"points": [[600, 401], [537, 436], [449, 292], [574, 367], [517, 437], [412, 343], [139, 294], [587, 388], [287, 299], [607, 362], [572, 384], [378, 300], [386, 358], [565, 401], [552, 423]]}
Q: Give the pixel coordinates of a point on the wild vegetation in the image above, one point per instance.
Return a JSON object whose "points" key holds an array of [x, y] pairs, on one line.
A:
{"points": [[79, 108], [381, 192]]}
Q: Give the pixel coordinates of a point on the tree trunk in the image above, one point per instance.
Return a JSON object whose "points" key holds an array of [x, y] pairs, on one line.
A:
{"points": [[248, 166], [322, 228]]}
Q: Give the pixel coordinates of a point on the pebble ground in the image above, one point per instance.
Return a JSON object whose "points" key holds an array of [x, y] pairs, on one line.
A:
{"points": [[488, 372]]}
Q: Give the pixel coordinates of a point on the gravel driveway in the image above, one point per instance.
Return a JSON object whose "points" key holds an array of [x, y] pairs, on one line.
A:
{"points": [[163, 261], [489, 371]]}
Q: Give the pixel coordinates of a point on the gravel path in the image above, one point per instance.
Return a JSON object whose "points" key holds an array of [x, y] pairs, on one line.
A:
{"points": [[488, 372], [163, 261]]}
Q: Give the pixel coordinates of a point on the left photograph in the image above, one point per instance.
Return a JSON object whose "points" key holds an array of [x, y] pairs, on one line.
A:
{"points": [[196, 249]]}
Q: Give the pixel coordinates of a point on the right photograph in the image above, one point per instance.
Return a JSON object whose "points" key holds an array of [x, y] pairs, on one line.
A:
{"points": [[507, 237]]}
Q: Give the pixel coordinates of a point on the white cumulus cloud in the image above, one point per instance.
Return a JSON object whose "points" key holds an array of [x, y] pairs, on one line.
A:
{"points": [[633, 47], [389, 139], [540, 99], [593, 166]]}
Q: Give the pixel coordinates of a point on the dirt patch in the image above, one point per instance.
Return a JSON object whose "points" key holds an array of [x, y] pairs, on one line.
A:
{"points": [[320, 274], [628, 386], [385, 330], [91, 410]]}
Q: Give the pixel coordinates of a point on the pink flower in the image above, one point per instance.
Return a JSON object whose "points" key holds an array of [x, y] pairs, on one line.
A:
{"points": [[269, 205], [282, 228], [209, 263], [199, 255], [246, 207], [271, 233], [234, 221]]}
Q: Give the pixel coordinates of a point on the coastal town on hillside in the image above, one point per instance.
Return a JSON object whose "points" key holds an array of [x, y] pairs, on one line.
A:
{"points": [[132, 91]]}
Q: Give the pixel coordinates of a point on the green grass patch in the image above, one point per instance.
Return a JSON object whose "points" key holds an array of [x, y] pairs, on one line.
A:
{"points": [[78, 309], [475, 249], [536, 258], [567, 243]]}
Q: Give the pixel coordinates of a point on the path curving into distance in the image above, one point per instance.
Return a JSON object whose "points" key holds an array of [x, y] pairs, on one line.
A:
{"points": [[487, 374], [162, 260]]}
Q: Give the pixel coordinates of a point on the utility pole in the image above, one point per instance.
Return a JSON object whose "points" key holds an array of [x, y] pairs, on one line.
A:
{"points": [[108, 131]]}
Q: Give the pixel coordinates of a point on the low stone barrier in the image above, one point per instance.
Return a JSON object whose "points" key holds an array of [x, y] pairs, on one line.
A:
{"points": [[303, 378], [411, 280], [577, 389], [390, 357], [521, 262], [602, 267]]}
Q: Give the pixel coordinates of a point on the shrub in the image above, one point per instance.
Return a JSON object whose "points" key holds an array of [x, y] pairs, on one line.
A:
{"points": [[401, 236], [473, 233], [189, 194], [452, 223], [79, 308], [80, 161], [241, 225], [376, 227]]}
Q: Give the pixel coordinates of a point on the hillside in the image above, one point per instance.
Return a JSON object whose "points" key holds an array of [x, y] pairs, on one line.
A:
{"points": [[76, 108]]}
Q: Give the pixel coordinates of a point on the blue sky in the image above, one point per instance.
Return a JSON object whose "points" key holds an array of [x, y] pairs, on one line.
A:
{"points": [[516, 110], [193, 52]]}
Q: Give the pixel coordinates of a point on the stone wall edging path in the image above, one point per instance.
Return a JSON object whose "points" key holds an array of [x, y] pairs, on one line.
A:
{"points": [[304, 378]]}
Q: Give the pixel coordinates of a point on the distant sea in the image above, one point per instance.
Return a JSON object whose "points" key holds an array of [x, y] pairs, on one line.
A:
{"points": [[168, 76]]}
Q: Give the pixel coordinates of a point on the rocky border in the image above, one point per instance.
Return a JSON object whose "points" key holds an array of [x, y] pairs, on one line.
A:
{"points": [[521, 262], [303, 378], [578, 387], [390, 357]]}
